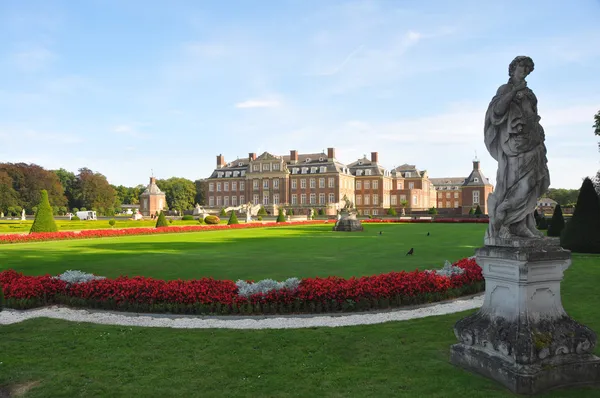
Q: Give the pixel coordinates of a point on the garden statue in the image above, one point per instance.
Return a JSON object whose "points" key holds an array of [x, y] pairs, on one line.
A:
{"points": [[522, 336], [515, 138], [23, 215]]}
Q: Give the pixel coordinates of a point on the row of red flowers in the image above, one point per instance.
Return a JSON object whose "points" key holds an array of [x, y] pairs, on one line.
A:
{"points": [[104, 233], [432, 220], [210, 296]]}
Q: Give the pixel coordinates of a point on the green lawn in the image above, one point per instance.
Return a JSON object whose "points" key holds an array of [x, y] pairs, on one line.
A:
{"points": [[279, 253], [18, 226], [397, 359]]}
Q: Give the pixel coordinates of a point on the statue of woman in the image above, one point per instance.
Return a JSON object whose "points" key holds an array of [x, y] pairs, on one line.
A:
{"points": [[515, 138]]}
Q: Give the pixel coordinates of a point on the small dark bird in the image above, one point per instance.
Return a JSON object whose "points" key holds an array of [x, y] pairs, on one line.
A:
{"points": [[427, 233], [411, 251], [380, 232]]}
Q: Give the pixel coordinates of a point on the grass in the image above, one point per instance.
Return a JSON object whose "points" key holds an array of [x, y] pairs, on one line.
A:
{"points": [[278, 253], [396, 359], [18, 226]]}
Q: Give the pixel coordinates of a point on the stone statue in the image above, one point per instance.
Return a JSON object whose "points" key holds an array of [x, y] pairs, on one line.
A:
{"points": [[23, 215], [515, 138]]}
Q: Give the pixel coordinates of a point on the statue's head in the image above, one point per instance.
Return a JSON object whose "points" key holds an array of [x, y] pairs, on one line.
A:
{"points": [[521, 61]]}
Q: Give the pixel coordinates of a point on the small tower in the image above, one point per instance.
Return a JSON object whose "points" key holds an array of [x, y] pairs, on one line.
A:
{"points": [[152, 200]]}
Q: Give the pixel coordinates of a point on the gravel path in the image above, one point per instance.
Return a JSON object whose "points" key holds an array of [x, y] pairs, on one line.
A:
{"points": [[9, 316]]}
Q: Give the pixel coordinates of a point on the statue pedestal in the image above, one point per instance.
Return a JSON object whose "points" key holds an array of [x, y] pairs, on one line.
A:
{"points": [[522, 337], [348, 223]]}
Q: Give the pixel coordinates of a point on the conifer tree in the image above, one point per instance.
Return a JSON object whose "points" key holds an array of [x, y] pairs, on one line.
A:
{"points": [[557, 223], [582, 232], [233, 218], [161, 221], [44, 220]]}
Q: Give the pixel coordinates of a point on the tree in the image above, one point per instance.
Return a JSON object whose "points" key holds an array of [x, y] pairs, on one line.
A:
{"points": [[8, 196], [392, 212], [201, 191], [582, 233], [596, 126], [478, 211], [161, 221], [280, 216], [562, 196], [557, 223], [262, 211], [44, 220], [222, 213], [28, 180], [233, 218], [68, 180], [471, 211], [180, 193], [432, 211], [536, 217], [93, 191]]}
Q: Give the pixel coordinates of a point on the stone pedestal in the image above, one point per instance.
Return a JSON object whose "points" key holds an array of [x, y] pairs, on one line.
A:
{"points": [[348, 223], [522, 337]]}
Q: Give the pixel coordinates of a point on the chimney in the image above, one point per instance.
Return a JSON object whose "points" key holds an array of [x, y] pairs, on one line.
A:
{"points": [[374, 157], [476, 165], [330, 153], [294, 156], [152, 180], [251, 156], [220, 161]]}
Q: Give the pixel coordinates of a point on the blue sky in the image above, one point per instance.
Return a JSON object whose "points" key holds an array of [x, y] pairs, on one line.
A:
{"points": [[127, 87]]}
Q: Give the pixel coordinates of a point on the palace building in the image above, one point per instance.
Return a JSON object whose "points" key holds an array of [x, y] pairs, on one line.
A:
{"points": [[319, 181]]}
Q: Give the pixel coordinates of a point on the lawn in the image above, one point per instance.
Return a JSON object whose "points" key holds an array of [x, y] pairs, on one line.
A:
{"points": [[279, 253], [18, 226], [396, 359]]}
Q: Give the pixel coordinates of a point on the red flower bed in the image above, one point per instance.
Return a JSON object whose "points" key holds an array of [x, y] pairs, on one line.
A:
{"points": [[105, 233], [433, 220], [210, 296]]}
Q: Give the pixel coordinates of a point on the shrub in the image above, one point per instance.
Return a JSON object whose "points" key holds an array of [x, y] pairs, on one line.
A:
{"points": [[280, 216], [582, 233], [259, 218], [478, 211], [233, 218], [247, 289], [75, 209], [321, 212], [262, 211], [83, 209], [557, 223], [187, 217], [34, 209], [291, 212], [472, 211], [222, 213], [434, 211], [543, 224], [44, 220], [161, 221], [72, 277], [75, 218], [392, 212], [212, 220], [112, 222], [536, 216], [200, 220]]}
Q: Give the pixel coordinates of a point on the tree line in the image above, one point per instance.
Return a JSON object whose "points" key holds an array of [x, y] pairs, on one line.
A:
{"points": [[21, 185]]}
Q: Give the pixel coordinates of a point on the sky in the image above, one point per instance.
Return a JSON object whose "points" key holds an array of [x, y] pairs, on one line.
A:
{"points": [[131, 88]]}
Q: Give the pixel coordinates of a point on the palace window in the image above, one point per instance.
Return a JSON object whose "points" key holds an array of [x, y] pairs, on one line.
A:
{"points": [[321, 198], [313, 183], [218, 187], [242, 185], [358, 200], [211, 201], [255, 185], [276, 183], [211, 187], [411, 185], [331, 182], [375, 184], [226, 186], [313, 198], [294, 182], [358, 185], [331, 197], [294, 199], [265, 184], [367, 199], [255, 199], [275, 198], [303, 199], [475, 197], [321, 183], [226, 201], [303, 183], [233, 185], [234, 200], [375, 199], [367, 185], [394, 200], [265, 198]]}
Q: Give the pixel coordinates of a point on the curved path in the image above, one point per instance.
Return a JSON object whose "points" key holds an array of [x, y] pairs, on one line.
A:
{"points": [[9, 316]]}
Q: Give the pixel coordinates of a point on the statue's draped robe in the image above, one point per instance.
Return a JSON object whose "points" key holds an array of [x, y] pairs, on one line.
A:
{"points": [[522, 165]]}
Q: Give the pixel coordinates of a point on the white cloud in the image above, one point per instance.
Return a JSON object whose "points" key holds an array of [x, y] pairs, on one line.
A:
{"points": [[258, 103], [130, 130]]}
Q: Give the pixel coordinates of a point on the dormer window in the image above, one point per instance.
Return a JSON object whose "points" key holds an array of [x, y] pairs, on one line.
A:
{"points": [[476, 179], [307, 160], [313, 169], [240, 164], [236, 173], [323, 169], [321, 159], [359, 172], [360, 162], [304, 170], [367, 172], [228, 174], [219, 175], [243, 173]]}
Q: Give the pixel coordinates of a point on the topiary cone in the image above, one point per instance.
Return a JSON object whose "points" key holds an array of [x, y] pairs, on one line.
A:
{"points": [[232, 218], [582, 233], [557, 223], [161, 221], [44, 220]]}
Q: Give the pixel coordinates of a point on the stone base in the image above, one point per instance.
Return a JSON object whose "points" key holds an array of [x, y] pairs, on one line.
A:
{"points": [[348, 223], [527, 379], [522, 337]]}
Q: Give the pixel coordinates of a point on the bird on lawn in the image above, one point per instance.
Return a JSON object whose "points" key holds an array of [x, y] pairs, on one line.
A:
{"points": [[411, 251], [427, 233], [380, 232]]}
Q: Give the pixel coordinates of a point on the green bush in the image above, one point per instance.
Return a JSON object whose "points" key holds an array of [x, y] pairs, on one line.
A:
{"points": [[34, 209], [187, 217], [478, 211], [392, 212], [321, 212], [222, 213], [44, 220], [259, 218], [434, 211], [233, 218], [582, 233], [262, 211], [161, 221], [280, 216], [291, 212], [557, 223], [536, 216], [212, 220], [75, 209], [472, 211], [112, 222], [543, 224], [75, 218]]}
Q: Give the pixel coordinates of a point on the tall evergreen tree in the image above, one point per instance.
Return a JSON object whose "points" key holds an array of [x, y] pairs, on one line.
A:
{"points": [[280, 216], [233, 218], [161, 221], [557, 223], [44, 220], [582, 233]]}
